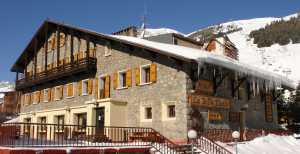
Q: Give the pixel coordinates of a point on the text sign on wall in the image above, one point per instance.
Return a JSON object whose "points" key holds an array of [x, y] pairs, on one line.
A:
{"points": [[209, 101], [204, 86], [269, 113], [214, 115]]}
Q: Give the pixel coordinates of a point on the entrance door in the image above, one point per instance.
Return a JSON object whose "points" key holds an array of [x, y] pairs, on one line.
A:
{"points": [[100, 114]]}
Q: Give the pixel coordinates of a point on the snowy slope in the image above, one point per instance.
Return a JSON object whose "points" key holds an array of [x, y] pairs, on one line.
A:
{"points": [[153, 32]]}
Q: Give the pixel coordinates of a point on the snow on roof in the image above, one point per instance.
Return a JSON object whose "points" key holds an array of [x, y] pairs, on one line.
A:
{"points": [[208, 57], [13, 120]]}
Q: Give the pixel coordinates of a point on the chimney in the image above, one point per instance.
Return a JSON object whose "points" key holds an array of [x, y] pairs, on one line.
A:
{"points": [[130, 31]]}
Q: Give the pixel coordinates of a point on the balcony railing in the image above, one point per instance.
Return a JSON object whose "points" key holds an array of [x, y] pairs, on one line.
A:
{"points": [[77, 66], [56, 135]]}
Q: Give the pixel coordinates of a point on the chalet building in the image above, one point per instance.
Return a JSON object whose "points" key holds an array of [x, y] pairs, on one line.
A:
{"points": [[11, 104], [222, 45], [76, 76]]}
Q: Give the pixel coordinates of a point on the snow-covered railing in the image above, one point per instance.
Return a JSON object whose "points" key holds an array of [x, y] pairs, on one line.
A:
{"points": [[209, 146], [57, 135], [225, 135]]}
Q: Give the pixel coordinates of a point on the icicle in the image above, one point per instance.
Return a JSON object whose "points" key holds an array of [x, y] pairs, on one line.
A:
{"points": [[204, 71], [236, 75]]}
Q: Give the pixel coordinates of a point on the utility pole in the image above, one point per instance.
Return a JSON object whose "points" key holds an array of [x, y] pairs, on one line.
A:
{"points": [[143, 16]]}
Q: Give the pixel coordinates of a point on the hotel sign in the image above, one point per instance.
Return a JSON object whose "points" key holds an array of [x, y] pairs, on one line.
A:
{"points": [[234, 117], [269, 113], [204, 86], [209, 101], [214, 115]]}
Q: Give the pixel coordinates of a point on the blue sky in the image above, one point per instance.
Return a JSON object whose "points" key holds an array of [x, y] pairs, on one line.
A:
{"points": [[19, 19]]}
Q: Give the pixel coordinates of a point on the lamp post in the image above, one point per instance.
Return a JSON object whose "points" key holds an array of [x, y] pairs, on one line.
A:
{"points": [[192, 134], [236, 135], [94, 101]]}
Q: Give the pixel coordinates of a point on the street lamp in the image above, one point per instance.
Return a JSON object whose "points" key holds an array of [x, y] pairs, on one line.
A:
{"points": [[236, 135], [192, 134], [94, 101]]}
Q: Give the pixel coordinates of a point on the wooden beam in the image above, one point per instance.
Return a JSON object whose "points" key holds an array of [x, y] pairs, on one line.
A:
{"points": [[26, 56], [71, 48], [217, 85], [179, 62], [235, 88], [87, 44], [93, 39], [35, 54], [130, 47], [153, 54], [46, 46], [110, 41], [248, 90]]}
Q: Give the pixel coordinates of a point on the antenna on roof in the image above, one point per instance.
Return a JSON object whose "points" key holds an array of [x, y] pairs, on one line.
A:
{"points": [[143, 16]]}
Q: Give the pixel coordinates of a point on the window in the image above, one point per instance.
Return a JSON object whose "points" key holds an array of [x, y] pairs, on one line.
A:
{"points": [[254, 116], [168, 111], [146, 113], [26, 99], [145, 74], [62, 39], [85, 87], [60, 121], [35, 99], [121, 79], [107, 49], [241, 94], [102, 86], [43, 121], [70, 90], [175, 42], [171, 111], [226, 114], [81, 120], [149, 113], [47, 95], [58, 92]]}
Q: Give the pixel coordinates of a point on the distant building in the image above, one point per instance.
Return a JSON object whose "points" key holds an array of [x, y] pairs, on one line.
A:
{"points": [[11, 104], [222, 45]]}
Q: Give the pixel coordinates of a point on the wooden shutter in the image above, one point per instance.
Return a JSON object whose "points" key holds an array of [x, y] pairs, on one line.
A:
{"points": [[107, 86], [32, 97], [28, 99], [44, 68], [67, 60], [23, 99], [55, 41], [42, 96], [91, 52], [96, 88], [53, 93], [37, 71], [152, 72], [69, 89], [61, 62], [49, 94], [44, 46], [81, 55], [115, 80], [75, 57], [50, 66], [63, 39], [30, 73], [54, 64], [38, 96], [128, 78], [79, 87], [61, 92], [52, 44], [137, 75], [90, 84]]}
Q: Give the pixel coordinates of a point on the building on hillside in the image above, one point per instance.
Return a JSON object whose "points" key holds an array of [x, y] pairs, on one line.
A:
{"points": [[139, 83], [176, 39], [222, 45], [11, 104]]}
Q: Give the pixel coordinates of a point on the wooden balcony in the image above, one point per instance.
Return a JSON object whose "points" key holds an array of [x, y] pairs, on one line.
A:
{"points": [[65, 70]]}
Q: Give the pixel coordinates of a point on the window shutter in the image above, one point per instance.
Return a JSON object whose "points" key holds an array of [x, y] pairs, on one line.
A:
{"points": [[128, 78], [90, 83], [55, 41], [67, 60], [71, 89], [38, 96], [54, 64], [49, 94], [42, 96], [107, 86], [44, 68], [75, 57], [96, 88], [79, 87], [53, 93], [32, 97], [37, 71], [52, 44], [61, 62], [115, 80], [152, 72], [23, 99], [50, 66], [61, 92], [81, 55], [28, 99], [63, 40], [44, 46], [91, 52], [137, 75]]}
